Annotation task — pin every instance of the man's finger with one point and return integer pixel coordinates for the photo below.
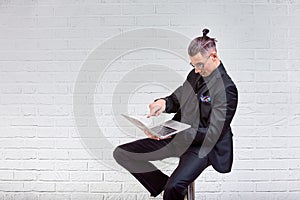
(155, 111)
(151, 136)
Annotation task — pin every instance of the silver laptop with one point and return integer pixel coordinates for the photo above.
(163, 130)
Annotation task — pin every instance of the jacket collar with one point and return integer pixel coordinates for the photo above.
(217, 73)
(214, 76)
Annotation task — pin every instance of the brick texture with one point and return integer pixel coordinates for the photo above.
(43, 45)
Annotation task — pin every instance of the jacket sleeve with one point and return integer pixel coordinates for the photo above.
(172, 101)
(223, 110)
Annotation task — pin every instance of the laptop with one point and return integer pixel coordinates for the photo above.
(163, 130)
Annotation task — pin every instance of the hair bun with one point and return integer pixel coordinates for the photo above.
(205, 32)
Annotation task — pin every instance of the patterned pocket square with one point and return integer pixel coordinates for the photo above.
(206, 99)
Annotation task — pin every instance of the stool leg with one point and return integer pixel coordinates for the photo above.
(191, 191)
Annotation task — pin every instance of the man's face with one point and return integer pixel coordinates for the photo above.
(201, 64)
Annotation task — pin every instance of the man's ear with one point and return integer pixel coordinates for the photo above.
(214, 55)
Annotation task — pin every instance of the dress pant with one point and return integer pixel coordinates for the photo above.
(135, 157)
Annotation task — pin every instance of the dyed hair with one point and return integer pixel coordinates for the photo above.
(203, 44)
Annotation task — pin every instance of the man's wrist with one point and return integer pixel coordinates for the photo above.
(165, 104)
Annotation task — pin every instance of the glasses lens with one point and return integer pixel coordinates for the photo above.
(201, 65)
(198, 65)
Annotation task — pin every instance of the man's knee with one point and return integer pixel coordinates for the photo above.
(118, 154)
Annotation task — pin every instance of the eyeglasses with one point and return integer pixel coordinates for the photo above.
(200, 64)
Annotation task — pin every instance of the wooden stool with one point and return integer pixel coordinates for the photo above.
(191, 191)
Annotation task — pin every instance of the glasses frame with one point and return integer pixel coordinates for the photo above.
(200, 64)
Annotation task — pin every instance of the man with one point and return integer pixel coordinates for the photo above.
(207, 101)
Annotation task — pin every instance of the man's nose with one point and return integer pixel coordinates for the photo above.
(197, 70)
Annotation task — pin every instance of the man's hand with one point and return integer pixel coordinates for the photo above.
(157, 107)
(151, 136)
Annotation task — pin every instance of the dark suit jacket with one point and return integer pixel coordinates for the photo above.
(217, 98)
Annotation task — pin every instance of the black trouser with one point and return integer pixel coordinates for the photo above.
(135, 157)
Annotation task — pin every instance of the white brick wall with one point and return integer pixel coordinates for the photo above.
(43, 44)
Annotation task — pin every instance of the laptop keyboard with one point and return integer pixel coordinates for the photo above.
(162, 130)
